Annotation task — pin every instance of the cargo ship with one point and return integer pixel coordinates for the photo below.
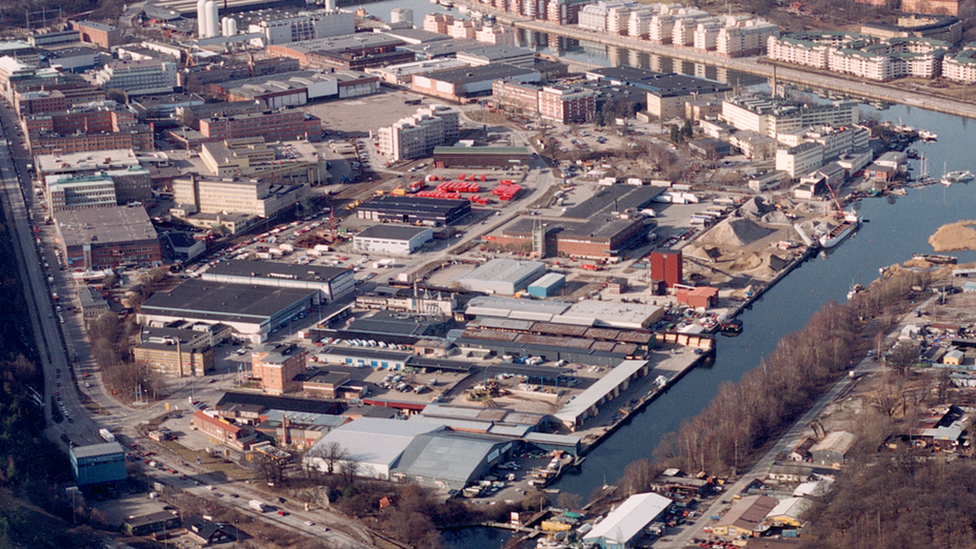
(848, 224)
(936, 258)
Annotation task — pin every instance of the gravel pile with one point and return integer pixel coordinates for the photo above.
(730, 233)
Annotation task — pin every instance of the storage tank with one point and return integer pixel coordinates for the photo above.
(223, 26)
(330, 5)
(231, 27)
(201, 18)
(213, 19)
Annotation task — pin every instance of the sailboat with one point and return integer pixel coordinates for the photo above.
(946, 180)
(923, 176)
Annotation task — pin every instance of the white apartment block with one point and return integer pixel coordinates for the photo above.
(860, 55)
(706, 34)
(961, 67)
(745, 38)
(416, 136)
(800, 160)
(597, 16)
(660, 29)
(138, 77)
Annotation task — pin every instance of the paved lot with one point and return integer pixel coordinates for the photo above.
(366, 114)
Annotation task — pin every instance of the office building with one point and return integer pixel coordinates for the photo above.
(252, 157)
(138, 77)
(561, 104)
(213, 195)
(771, 116)
(98, 464)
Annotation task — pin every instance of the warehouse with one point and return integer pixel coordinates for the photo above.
(332, 282)
(502, 276)
(431, 212)
(392, 239)
(547, 286)
(633, 316)
(587, 404)
(375, 444)
(449, 460)
(548, 348)
(623, 526)
(364, 356)
(252, 311)
(481, 157)
(98, 463)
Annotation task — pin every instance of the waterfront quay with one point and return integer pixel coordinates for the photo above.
(887, 92)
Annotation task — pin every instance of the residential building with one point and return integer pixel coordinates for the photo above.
(771, 116)
(390, 239)
(416, 137)
(277, 367)
(108, 237)
(939, 27)
(961, 66)
(138, 77)
(213, 195)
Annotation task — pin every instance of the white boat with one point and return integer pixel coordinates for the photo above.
(926, 135)
(847, 226)
(447, 3)
(464, 10)
(960, 176)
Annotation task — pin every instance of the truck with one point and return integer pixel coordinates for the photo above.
(258, 505)
(107, 435)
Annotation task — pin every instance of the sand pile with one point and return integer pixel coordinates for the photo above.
(709, 253)
(776, 218)
(731, 233)
(755, 207)
(747, 263)
(954, 237)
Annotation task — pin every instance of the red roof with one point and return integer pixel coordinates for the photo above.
(223, 425)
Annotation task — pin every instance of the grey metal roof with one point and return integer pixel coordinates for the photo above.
(206, 299)
(391, 232)
(507, 270)
(446, 455)
(95, 450)
(595, 393)
(376, 440)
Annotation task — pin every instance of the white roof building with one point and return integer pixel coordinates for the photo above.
(626, 522)
(376, 444)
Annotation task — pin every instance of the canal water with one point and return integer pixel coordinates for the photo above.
(895, 227)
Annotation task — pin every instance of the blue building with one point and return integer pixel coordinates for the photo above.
(98, 463)
(547, 285)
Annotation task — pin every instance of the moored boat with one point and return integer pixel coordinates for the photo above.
(851, 221)
(936, 258)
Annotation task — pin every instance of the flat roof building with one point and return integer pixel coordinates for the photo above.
(431, 212)
(587, 404)
(450, 460)
(481, 157)
(98, 463)
(278, 367)
(375, 444)
(502, 276)
(252, 311)
(108, 237)
(467, 82)
(332, 282)
(251, 196)
(392, 239)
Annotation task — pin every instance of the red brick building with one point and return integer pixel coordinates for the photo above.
(701, 297)
(556, 103)
(667, 266)
(289, 124)
(38, 102)
(277, 368)
(222, 431)
(935, 7)
(99, 34)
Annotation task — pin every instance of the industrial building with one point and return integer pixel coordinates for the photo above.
(100, 34)
(179, 352)
(832, 450)
(547, 285)
(351, 51)
(587, 404)
(229, 195)
(625, 316)
(431, 212)
(331, 282)
(450, 460)
(284, 30)
(481, 157)
(252, 311)
(402, 75)
(415, 300)
(502, 276)
(745, 517)
(221, 431)
(392, 239)
(600, 227)
(623, 526)
(418, 135)
(668, 93)
(561, 104)
(98, 464)
(461, 84)
(108, 237)
(375, 444)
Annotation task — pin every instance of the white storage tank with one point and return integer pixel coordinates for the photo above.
(202, 18)
(213, 19)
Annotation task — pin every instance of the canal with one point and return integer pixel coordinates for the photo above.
(895, 227)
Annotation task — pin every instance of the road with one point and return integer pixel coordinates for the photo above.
(867, 366)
